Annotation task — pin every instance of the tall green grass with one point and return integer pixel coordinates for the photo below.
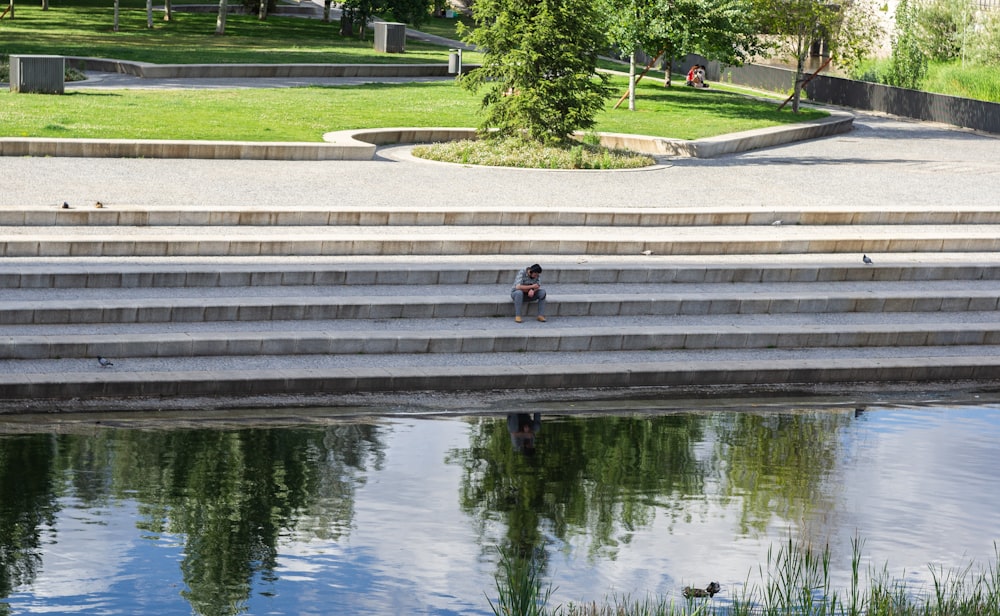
(975, 81)
(795, 581)
(519, 586)
(970, 81)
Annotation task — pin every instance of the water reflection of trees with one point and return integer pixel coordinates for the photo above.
(602, 477)
(230, 493)
(26, 505)
(779, 464)
(606, 477)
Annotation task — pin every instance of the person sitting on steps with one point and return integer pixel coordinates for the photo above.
(528, 288)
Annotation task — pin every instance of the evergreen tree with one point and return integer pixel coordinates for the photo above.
(540, 67)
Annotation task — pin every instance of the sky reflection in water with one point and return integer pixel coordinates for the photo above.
(401, 516)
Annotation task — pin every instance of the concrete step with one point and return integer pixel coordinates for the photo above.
(500, 338)
(451, 305)
(339, 374)
(109, 274)
(126, 215)
(117, 241)
(232, 302)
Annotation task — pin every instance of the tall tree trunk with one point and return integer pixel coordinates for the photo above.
(117, 12)
(326, 11)
(45, 5)
(149, 14)
(220, 21)
(800, 70)
(631, 81)
(167, 11)
(262, 11)
(10, 10)
(668, 67)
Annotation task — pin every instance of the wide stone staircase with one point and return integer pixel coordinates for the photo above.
(237, 302)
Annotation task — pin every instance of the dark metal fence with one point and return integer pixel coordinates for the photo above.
(963, 112)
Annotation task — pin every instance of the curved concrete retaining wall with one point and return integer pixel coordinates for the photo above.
(361, 144)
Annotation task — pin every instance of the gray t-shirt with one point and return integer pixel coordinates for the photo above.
(523, 278)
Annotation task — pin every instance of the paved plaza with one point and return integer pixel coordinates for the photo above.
(882, 162)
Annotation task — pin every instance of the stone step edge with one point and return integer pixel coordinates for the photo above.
(109, 215)
(116, 275)
(252, 309)
(311, 247)
(107, 383)
(512, 340)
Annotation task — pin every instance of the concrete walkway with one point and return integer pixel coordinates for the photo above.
(882, 163)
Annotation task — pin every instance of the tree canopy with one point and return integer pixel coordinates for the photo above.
(849, 30)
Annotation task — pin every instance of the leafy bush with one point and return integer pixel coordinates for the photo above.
(983, 44)
(908, 63)
(943, 26)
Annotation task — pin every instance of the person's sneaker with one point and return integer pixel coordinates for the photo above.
(541, 318)
(517, 319)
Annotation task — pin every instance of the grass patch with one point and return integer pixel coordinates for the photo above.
(522, 153)
(692, 113)
(189, 38)
(444, 27)
(304, 114)
(268, 114)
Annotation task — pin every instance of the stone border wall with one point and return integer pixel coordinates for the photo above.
(148, 70)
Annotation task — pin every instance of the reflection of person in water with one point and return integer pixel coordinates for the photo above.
(523, 428)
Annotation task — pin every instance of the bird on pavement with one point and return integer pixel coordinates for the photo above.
(105, 362)
(866, 259)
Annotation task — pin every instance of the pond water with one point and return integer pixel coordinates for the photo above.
(404, 514)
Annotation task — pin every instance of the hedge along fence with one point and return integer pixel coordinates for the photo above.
(963, 112)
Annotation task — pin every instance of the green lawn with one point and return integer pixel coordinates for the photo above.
(83, 28)
(189, 38)
(304, 114)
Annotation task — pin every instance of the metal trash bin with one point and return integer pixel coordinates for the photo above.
(40, 74)
(455, 62)
(390, 37)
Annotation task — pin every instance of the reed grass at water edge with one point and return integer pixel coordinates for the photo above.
(795, 581)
